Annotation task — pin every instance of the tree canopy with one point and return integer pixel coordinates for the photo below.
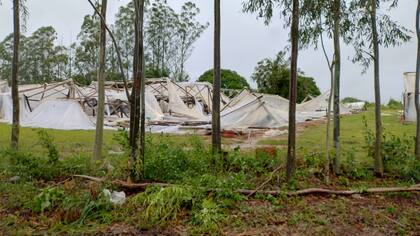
(273, 76)
(41, 59)
(169, 42)
(230, 79)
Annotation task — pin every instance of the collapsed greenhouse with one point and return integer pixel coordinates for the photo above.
(170, 107)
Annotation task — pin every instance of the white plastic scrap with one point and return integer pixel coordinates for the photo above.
(117, 198)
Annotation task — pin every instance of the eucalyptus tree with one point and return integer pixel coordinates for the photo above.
(417, 102)
(189, 31)
(331, 19)
(44, 62)
(87, 49)
(265, 9)
(216, 126)
(137, 114)
(124, 33)
(99, 134)
(160, 31)
(17, 4)
(40, 59)
(365, 22)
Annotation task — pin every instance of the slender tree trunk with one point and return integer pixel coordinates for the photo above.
(327, 137)
(135, 115)
(99, 136)
(291, 148)
(15, 70)
(216, 134)
(330, 99)
(417, 102)
(142, 88)
(337, 74)
(379, 168)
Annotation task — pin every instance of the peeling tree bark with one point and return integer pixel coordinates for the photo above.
(15, 71)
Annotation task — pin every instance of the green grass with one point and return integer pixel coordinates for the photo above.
(47, 200)
(313, 138)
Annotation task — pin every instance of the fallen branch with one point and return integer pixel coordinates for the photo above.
(248, 192)
(265, 183)
(392, 220)
(123, 184)
(319, 191)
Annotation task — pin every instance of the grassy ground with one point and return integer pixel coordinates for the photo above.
(38, 194)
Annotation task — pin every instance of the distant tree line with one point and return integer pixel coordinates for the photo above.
(169, 39)
(273, 77)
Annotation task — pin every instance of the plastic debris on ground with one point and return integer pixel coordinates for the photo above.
(117, 198)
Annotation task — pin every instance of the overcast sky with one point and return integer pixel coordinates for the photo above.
(245, 41)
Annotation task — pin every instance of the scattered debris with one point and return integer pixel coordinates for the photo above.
(14, 179)
(117, 198)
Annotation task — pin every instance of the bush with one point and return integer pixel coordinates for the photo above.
(163, 204)
(397, 153)
(350, 100)
(169, 162)
(354, 170)
(47, 142)
(207, 218)
(47, 199)
(30, 167)
(394, 104)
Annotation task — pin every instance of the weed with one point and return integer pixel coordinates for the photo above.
(47, 141)
(208, 218)
(354, 170)
(30, 167)
(47, 199)
(163, 204)
(398, 156)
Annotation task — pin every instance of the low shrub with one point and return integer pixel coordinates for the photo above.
(207, 218)
(47, 199)
(163, 204)
(397, 153)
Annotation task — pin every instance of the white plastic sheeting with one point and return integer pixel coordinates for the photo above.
(59, 114)
(410, 108)
(6, 108)
(3, 86)
(254, 110)
(409, 97)
(318, 106)
(178, 108)
(202, 91)
(355, 106)
(152, 108)
(255, 114)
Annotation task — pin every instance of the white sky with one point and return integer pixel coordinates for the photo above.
(245, 41)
